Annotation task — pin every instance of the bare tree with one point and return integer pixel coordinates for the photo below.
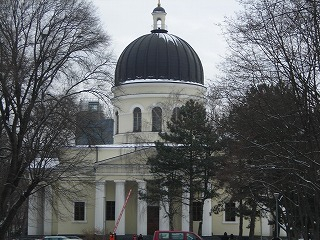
(50, 52)
(276, 43)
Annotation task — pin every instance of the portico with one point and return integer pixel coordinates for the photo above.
(137, 215)
(134, 218)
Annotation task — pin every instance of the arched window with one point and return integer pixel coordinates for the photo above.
(156, 119)
(137, 120)
(117, 122)
(175, 113)
(159, 23)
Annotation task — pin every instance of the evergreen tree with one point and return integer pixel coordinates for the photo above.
(184, 164)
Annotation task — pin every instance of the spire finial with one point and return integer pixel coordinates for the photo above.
(159, 4)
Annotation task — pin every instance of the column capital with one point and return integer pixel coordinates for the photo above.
(119, 181)
(100, 183)
(140, 181)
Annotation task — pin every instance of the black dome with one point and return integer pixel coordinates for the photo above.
(159, 55)
(159, 9)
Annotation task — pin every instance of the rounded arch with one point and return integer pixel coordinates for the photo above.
(133, 106)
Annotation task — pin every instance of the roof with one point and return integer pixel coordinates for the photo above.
(159, 9)
(159, 55)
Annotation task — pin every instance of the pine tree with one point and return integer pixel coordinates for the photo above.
(184, 164)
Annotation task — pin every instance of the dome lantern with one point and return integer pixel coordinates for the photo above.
(159, 19)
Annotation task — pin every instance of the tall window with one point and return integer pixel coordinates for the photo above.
(137, 120)
(110, 210)
(230, 212)
(117, 122)
(79, 211)
(197, 211)
(156, 119)
(175, 113)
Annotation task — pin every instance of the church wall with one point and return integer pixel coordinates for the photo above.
(146, 96)
(113, 151)
(140, 137)
(108, 174)
(219, 226)
(99, 153)
(64, 223)
(54, 224)
(131, 209)
(82, 154)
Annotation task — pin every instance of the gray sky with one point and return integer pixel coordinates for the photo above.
(195, 21)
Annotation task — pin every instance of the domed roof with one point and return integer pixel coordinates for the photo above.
(157, 56)
(159, 9)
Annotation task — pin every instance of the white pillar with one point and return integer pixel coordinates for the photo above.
(207, 218)
(185, 211)
(47, 227)
(120, 200)
(266, 228)
(142, 210)
(35, 213)
(163, 216)
(99, 216)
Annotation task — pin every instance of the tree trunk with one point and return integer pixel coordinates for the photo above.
(240, 221)
(191, 212)
(252, 221)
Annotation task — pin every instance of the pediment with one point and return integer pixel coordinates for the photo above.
(128, 164)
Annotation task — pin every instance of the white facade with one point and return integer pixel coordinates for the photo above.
(146, 95)
(120, 168)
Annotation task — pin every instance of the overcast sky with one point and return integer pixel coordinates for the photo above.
(195, 21)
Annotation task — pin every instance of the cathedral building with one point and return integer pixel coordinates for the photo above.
(155, 74)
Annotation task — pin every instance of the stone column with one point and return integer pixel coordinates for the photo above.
(141, 210)
(266, 228)
(35, 214)
(207, 218)
(163, 218)
(185, 211)
(47, 227)
(100, 211)
(120, 200)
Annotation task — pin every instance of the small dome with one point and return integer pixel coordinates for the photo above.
(159, 9)
(157, 56)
